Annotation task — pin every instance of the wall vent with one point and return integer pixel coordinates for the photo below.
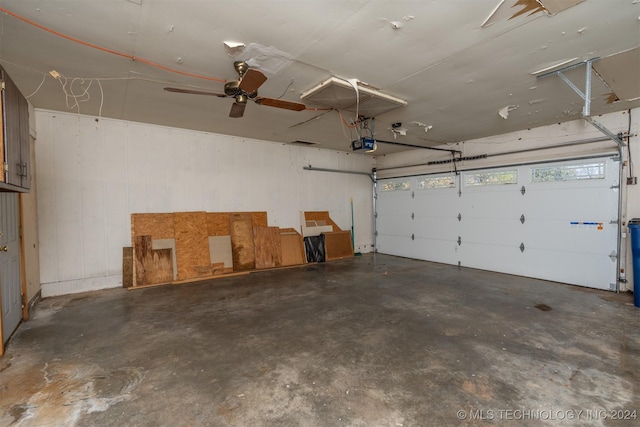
(340, 94)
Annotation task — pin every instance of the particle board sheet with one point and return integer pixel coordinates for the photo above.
(220, 250)
(322, 216)
(192, 244)
(292, 247)
(168, 244)
(156, 225)
(151, 266)
(259, 219)
(267, 247)
(218, 224)
(242, 243)
(337, 245)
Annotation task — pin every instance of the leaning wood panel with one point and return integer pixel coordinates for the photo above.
(156, 225)
(242, 245)
(127, 267)
(192, 244)
(259, 219)
(337, 245)
(151, 267)
(321, 216)
(218, 224)
(292, 247)
(268, 248)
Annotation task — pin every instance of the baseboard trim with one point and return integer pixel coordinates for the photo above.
(80, 285)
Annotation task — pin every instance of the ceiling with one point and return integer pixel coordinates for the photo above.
(466, 68)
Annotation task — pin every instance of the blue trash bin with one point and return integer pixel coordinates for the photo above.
(634, 229)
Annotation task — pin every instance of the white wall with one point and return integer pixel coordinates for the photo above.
(92, 174)
(558, 134)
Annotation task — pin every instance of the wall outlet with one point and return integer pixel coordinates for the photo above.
(632, 180)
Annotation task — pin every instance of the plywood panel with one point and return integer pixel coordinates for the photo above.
(292, 247)
(220, 250)
(267, 246)
(259, 219)
(156, 225)
(127, 267)
(337, 245)
(192, 244)
(321, 216)
(218, 224)
(151, 267)
(167, 244)
(242, 245)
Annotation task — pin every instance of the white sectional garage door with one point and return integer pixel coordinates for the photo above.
(554, 221)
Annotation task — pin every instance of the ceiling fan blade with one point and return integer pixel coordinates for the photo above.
(237, 109)
(279, 103)
(194, 92)
(252, 80)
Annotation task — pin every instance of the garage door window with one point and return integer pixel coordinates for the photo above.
(396, 186)
(568, 172)
(491, 178)
(426, 183)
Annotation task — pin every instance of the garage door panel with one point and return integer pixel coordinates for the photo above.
(483, 230)
(503, 259)
(488, 204)
(565, 237)
(571, 267)
(571, 204)
(394, 225)
(396, 245)
(562, 214)
(437, 228)
(392, 203)
(444, 251)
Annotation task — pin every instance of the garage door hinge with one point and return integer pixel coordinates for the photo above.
(522, 218)
(459, 217)
(523, 190)
(614, 221)
(613, 255)
(375, 214)
(614, 187)
(521, 247)
(413, 216)
(413, 194)
(413, 237)
(459, 240)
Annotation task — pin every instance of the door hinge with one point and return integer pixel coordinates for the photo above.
(613, 255)
(3, 87)
(521, 247)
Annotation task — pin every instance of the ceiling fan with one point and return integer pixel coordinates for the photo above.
(243, 89)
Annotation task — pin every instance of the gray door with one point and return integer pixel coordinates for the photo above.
(10, 281)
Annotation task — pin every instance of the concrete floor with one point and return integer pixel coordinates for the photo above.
(369, 341)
